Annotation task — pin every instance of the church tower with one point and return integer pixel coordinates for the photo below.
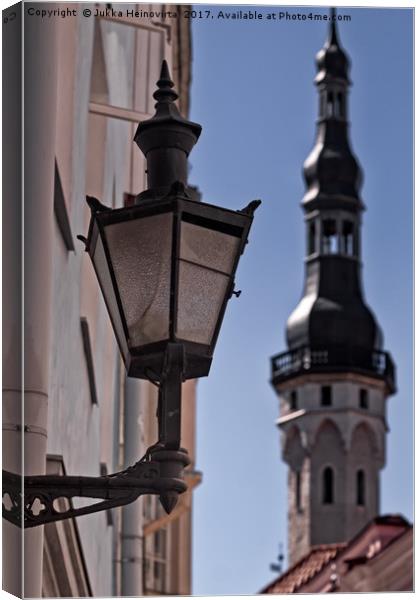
(335, 377)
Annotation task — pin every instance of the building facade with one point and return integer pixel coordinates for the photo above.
(334, 380)
(88, 82)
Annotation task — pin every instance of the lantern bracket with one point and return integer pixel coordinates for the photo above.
(46, 498)
(35, 500)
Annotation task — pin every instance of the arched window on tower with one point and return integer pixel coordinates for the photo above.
(322, 104)
(348, 238)
(329, 236)
(293, 401)
(360, 488)
(363, 399)
(340, 105)
(330, 104)
(326, 395)
(328, 486)
(311, 237)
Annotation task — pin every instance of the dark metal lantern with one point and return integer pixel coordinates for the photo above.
(166, 265)
(166, 269)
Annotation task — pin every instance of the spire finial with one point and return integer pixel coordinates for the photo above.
(332, 61)
(333, 35)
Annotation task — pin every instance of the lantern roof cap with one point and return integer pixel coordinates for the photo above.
(167, 116)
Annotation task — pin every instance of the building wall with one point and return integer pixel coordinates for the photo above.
(99, 90)
(379, 559)
(390, 571)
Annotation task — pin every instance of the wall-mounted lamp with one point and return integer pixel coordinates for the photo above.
(166, 268)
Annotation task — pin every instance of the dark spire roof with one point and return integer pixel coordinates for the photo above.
(332, 62)
(331, 170)
(332, 312)
(333, 34)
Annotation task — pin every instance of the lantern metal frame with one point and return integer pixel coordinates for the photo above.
(146, 361)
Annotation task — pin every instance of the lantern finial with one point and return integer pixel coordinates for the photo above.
(165, 93)
(166, 139)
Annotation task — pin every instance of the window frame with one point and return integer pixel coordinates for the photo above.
(125, 114)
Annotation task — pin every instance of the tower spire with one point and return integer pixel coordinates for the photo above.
(334, 378)
(332, 61)
(331, 171)
(333, 37)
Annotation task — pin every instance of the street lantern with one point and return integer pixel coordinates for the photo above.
(166, 268)
(166, 265)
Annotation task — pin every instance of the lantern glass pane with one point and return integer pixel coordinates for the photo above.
(200, 300)
(208, 248)
(140, 252)
(207, 258)
(102, 272)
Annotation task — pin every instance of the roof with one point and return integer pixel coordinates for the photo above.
(372, 540)
(304, 570)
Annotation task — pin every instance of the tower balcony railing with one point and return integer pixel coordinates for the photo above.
(305, 359)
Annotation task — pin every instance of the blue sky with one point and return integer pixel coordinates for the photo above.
(253, 93)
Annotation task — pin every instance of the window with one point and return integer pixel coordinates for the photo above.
(160, 543)
(298, 494)
(133, 53)
(146, 568)
(363, 399)
(339, 105)
(322, 102)
(326, 395)
(311, 237)
(159, 576)
(329, 237)
(87, 347)
(61, 212)
(328, 486)
(360, 487)
(348, 238)
(330, 104)
(293, 400)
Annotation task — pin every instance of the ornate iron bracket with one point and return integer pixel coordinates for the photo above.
(35, 500)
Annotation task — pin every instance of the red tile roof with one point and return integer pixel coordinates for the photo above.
(304, 570)
(373, 539)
